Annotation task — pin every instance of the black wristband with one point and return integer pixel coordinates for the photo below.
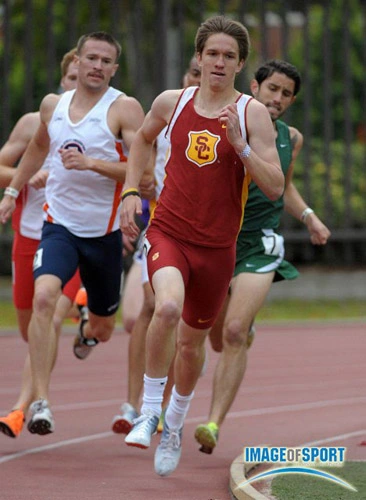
(130, 193)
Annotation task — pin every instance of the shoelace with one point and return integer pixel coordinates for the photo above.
(172, 442)
(145, 421)
(38, 406)
(130, 415)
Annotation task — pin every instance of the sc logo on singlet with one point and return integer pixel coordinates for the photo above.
(73, 144)
(202, 147)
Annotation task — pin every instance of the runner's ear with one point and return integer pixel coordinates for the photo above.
(254, 87)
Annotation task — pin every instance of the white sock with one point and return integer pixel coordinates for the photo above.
(153, 395)
(177, 410)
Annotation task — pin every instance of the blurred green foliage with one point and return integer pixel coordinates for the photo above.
(339, 58)
(328, 182)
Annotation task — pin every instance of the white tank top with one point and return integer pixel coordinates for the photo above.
(84, 202)
(31, 215)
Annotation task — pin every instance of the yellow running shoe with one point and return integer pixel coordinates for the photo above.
(207, 435)
(161, 422)
(12, 424)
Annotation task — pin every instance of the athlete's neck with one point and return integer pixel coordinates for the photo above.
(82, 102)
(209, 103)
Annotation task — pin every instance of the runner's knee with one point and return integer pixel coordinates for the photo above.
(103, 329)
(190, 352)
(168, 312)
(44, 301)
(234, 335)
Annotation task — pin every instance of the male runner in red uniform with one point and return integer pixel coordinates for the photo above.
(220, 140)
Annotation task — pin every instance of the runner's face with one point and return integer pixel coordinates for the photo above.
(276, 93)
(68, 82)
(193, 75)
(219, 60)
(97, 64)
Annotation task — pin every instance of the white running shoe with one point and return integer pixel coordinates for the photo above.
(41, 421)
(205, 364)
(167, 454)
(250, 337)
(144, 428)
(123, 423)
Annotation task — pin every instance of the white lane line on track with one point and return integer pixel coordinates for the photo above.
(92, 437)
(340, 437)
(244, 391)
(53, 446)
(82, 406)
(192, 420)
(235, 414)
(297, 407)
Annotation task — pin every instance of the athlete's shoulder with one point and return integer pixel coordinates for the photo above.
(51, 99)
(165, 103)
(258, 118)
(125, 100)
(48, 106)
(254, 106)
(29, 120)
(26, 125)
(296, 137)
(126, 108)
(168, 97)
(293, 131)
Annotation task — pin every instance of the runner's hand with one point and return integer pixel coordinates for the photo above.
(131, 206)
(7, 207)
(319, 233)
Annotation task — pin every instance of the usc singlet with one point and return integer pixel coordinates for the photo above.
(85, 202)
(205, 186)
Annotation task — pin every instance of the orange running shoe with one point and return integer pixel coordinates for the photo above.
(81, 298)
(81, 301)
(12, 424)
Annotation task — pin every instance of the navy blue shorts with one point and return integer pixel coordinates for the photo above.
(99, 260)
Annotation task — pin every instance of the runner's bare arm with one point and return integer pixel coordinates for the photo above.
(15, 146)
(140, 155)
(294, 203)
(33, 158)
(263, 163)
(125, 117)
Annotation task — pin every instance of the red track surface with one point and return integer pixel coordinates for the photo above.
(304, 384)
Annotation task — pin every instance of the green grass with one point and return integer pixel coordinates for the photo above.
(7, 314)
(286, 310)
(301, 487)
(314, 310)
(283, 310)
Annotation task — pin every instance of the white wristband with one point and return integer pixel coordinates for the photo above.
(10, 191)
(246, 152)
(305, 213)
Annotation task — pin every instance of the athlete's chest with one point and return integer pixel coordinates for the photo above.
(201, 141)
